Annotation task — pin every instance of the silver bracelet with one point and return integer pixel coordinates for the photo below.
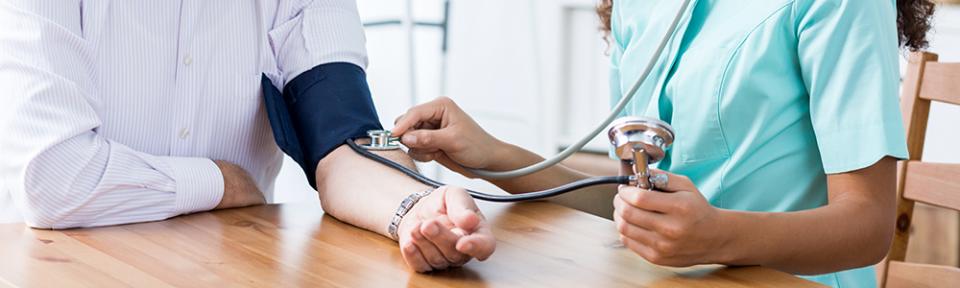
(404, 208)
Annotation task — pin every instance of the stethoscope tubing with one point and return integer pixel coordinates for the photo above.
(569, 187)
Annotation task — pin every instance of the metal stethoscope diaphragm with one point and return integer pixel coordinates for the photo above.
(640, 142)
(381, 140)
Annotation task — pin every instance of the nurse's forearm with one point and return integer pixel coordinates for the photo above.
(512, 157)
(811, 242)
(854, 230)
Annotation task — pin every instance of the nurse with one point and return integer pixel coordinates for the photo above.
(787, 132)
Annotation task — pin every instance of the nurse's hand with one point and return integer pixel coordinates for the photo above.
(445, 229)
(439, 130)
(675, 227)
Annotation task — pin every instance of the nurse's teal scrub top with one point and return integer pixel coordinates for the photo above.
(767, 97)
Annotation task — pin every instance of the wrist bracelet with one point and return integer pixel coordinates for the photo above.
(404, 208)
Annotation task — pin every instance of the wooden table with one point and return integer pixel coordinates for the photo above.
(541, 244)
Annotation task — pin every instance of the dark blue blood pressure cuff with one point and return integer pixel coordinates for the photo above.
(318, 111)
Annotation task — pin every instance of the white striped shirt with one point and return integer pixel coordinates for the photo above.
(111, 112)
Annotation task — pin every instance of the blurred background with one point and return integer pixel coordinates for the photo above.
(534, 73)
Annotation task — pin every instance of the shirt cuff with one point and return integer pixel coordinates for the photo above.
(199, 184)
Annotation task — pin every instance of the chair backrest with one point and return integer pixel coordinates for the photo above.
(936, 184)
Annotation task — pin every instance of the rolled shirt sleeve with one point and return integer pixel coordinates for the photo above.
(848, 52)
(320, 32)
(58, 171)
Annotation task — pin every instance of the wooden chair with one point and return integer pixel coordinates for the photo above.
(936, 184)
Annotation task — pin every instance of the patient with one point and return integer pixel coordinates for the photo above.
(124, 112)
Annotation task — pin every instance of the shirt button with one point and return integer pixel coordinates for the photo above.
(187, 60)
(184, 133)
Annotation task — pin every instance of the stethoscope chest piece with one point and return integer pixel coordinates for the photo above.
(381, 140)
(640, 141)
(631, 133)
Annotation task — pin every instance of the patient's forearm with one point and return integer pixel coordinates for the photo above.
(362, 192)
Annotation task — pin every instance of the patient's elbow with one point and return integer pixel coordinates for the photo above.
(40, 218)
(47, 209)
(44, 215)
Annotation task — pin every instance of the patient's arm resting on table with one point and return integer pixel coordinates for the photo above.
(347, 181)
(331, 103)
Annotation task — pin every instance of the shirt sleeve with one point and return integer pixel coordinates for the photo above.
(59, 171)
(315, 33)
(848, 52)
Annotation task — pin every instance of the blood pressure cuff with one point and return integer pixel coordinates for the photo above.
(319, 110)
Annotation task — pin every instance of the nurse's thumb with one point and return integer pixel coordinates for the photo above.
(427, 139)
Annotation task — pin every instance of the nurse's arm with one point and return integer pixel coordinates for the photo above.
(854, 229)
(441, 131)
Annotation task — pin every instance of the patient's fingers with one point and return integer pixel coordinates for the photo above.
(462, 209)
(429, 251)
(413, 256)
(480, 244)
(445, 240)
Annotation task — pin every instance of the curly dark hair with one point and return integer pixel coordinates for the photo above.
(913, 21)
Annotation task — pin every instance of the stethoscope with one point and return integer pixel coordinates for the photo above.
(637, 142)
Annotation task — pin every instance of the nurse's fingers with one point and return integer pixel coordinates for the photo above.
(637, 217)
(416, 126)
(675, 182)
(421, 155)
(649, 253)
(427, 112)
(442, 139)
(647, 199)
(628, 231)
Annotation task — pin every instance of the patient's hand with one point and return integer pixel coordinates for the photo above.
(445, 229)
(239, 190)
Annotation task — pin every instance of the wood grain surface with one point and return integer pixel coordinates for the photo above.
(295, 245)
